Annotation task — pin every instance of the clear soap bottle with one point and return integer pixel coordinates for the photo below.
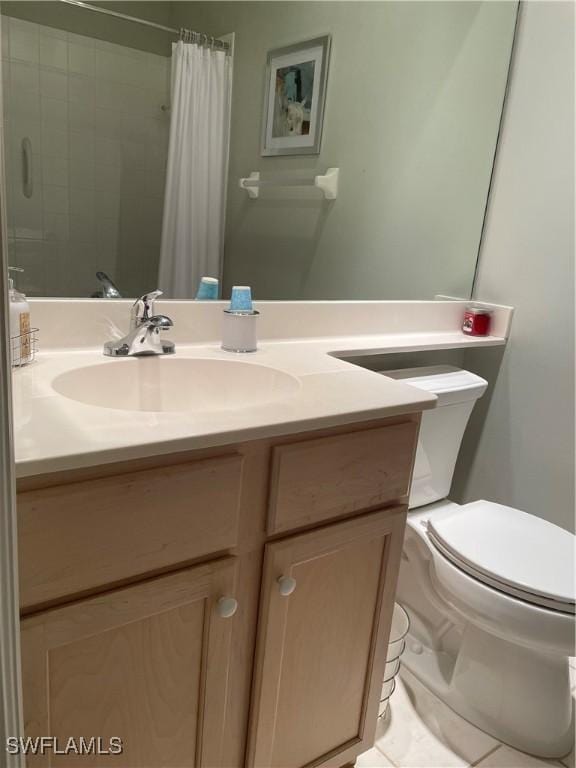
(20, 335)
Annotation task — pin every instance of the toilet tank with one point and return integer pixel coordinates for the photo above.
(442, 428)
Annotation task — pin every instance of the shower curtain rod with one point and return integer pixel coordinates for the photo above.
(185, 34)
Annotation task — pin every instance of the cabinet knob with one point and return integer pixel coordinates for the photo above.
(226, 607)
(286, 585)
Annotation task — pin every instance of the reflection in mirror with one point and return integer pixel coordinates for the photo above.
(365, 134)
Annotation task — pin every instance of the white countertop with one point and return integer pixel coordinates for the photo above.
(55, 433)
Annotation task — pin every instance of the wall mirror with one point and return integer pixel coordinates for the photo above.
(312, 150)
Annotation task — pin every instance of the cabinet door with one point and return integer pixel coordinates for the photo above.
(322, 647)
(148, 664)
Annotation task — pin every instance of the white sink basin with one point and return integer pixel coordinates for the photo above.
(168, 384)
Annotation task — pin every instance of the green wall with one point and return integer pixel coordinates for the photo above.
(414, 101)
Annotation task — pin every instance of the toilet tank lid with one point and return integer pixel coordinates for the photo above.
(450, 384)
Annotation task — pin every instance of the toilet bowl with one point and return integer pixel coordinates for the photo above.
(489, 590)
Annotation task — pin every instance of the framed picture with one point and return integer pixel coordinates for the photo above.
(296, 79)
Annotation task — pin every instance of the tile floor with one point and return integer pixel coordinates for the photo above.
(420, 731)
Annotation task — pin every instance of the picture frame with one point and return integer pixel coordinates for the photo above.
(295, 97)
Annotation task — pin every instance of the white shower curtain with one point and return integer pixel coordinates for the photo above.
(193, 224)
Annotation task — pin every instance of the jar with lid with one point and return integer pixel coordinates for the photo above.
(477, 321)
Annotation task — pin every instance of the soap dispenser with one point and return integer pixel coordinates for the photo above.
(21, 347)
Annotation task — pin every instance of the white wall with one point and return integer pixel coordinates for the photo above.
(524, 442)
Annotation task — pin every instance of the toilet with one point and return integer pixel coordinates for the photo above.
(489, 590)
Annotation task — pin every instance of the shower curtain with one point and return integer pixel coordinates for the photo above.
(193, 223)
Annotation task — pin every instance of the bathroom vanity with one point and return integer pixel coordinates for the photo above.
(217, 599)
(210, 577)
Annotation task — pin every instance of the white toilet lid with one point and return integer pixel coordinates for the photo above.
(517, 553)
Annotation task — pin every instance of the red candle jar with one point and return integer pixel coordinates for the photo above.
(477, 321)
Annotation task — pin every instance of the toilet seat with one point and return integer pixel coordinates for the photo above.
(511, 551)
(504, 663)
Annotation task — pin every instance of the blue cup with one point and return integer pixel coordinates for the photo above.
(241, 299)
(208, 289)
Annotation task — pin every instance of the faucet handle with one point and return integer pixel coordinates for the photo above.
(162, 322)
(143, 308)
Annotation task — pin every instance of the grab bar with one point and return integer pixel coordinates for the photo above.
(27, 175)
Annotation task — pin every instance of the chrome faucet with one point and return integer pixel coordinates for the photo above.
(108, 290)
(143, 309)
(144, 335)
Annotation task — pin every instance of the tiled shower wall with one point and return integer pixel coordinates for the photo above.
(93, 113)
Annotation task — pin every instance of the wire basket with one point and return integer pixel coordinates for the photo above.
(396, 646)
(23, 348)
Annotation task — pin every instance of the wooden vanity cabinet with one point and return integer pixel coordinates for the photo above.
(133, 640)
(327, 600)
(107, 530)
(148, 664)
